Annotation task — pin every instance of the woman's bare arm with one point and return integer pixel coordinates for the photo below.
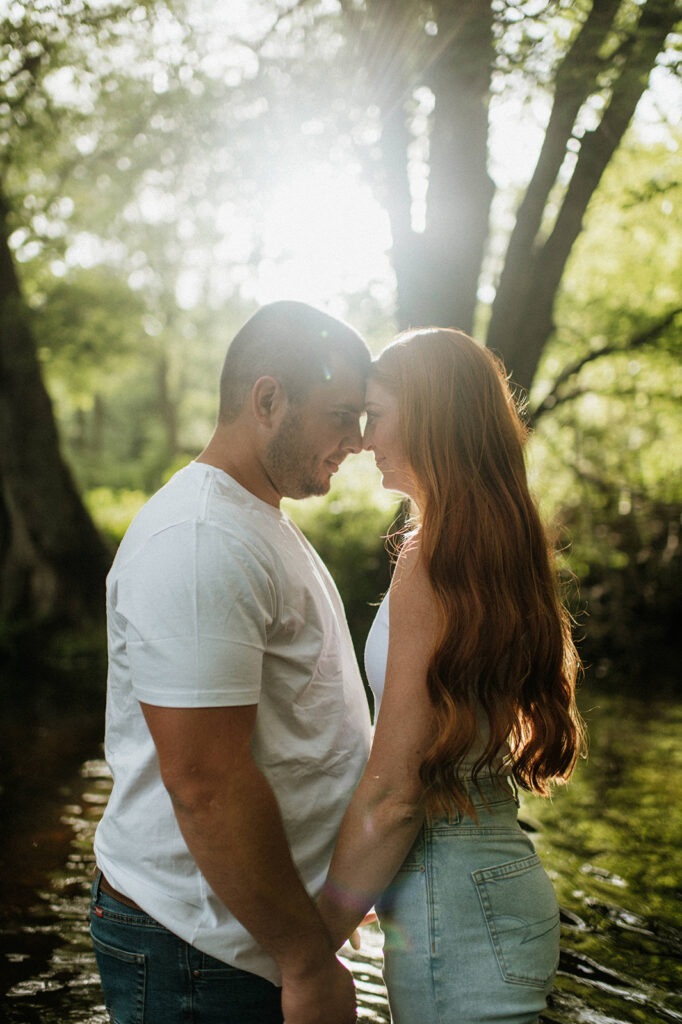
(386, 811)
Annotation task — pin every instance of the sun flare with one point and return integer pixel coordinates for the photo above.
(323, 234)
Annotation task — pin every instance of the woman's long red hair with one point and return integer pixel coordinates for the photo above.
(505, 652)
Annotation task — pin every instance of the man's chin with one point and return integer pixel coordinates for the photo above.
(310, 489)
(319, 488)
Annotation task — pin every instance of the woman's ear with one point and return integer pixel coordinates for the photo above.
(268, 400)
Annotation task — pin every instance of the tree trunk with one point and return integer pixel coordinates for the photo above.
(52, 561)
(575, 81)
(521, 321)
(407, 250)
(436, 270)
(460, 191)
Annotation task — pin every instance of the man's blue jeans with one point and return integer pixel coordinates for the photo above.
(150, 976)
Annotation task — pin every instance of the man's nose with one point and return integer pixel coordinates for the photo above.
(353, 441)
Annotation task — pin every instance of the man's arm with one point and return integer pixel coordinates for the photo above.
(231, 823)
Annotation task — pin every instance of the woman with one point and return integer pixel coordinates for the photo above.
(472, 650)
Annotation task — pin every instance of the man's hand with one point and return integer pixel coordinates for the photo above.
(229, 817)
(325, 996)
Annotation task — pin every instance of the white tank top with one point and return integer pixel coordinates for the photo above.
(376, 656)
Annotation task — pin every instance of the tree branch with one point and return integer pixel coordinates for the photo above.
(575, 81)
(578, 392)
(282, 16)
(645, 337)
(529, 282)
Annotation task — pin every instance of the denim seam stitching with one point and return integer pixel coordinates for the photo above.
(430, 895)
(508, 869)
(116, 951)
(138, 922)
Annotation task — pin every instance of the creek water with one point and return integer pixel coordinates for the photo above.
(611, 842)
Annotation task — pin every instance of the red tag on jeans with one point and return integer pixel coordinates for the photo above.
(98, 912)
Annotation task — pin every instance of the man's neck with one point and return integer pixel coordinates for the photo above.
(230, 451)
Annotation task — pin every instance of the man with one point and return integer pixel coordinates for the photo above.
(237, 726)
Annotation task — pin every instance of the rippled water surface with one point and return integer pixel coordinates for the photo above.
(611, 842)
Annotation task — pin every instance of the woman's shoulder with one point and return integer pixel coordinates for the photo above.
(411, 590)
(410, 558)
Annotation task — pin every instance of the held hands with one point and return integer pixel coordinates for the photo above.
(356, 939)
(325, 996)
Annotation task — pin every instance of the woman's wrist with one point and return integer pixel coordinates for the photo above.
(341, 910)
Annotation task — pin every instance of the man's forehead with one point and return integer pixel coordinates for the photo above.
(343, 386)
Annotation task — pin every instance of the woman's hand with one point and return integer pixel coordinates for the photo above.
(356, 939)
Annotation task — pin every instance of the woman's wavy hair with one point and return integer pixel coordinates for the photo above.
(505, 649)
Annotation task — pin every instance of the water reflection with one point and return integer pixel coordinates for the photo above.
(610, 842)
(49, 970)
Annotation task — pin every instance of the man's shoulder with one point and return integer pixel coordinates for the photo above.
(188, 516)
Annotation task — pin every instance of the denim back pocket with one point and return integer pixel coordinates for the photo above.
(124, 979)
(522, 915)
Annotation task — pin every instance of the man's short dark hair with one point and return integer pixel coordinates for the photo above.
(293, 342)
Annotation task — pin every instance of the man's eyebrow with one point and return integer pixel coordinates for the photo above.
(348, 407)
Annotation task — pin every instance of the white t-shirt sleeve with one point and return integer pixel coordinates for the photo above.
(197, 603)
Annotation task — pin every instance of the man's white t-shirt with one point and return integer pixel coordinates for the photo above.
(216, 599)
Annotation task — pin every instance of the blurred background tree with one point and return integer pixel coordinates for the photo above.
(508, 168)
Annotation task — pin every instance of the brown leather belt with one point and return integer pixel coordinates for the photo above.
(116, 895)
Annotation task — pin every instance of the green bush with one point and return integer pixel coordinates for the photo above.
(630, 594)
(348, 528)
(113, 509)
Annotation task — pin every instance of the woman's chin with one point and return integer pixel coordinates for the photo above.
(395, 486)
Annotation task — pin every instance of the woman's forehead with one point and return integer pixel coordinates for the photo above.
(378, 394)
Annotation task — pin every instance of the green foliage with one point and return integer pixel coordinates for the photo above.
(88, 329)
(132, 394)
(633, 598)
(625, 267)
(347, 528)
(618, 519)
(114, 510)
(606, 452)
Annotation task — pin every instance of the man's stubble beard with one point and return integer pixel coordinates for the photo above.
(290, 465)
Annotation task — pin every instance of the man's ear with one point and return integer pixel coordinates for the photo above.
(268, 400)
